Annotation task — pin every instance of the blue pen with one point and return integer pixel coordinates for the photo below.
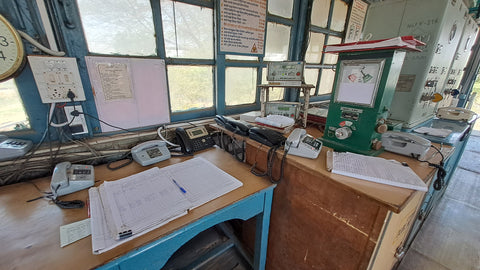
(181, 189)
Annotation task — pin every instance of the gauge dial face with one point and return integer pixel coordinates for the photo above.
(11, 50)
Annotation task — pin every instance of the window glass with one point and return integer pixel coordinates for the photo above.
(190, 87)
(275, 93)
(311, 76)
(331, 58)
(12, 113)
(126, 29)
(240, 85)
(315, 48)
(320, 11)
(188, 30)
(241, 57)
(326, 82)
(277, 44)
(339, 16)
(281, 8)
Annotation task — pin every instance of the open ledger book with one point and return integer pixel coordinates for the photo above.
(124, 209)
(376, 169)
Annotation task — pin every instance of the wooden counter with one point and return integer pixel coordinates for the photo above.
(322, 220)
(30, 231)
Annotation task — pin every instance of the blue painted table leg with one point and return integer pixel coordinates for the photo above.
(261, 233)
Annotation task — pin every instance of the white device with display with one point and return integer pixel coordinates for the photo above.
(299, 143)
(289, 109)
(286, 73)
(150, 152)
(13, 148)
(68, 178)
(406, 144)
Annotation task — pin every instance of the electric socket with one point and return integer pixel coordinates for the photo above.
(78, 126)
(55, 77)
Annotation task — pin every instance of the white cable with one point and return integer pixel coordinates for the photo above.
(38, 45)
(159, 132)
(52, 108)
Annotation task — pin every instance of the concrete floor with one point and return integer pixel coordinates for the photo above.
(450, 237)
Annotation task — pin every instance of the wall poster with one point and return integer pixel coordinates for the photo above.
(242, 26)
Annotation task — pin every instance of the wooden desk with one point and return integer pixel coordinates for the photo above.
(322, 220)
(30, 231)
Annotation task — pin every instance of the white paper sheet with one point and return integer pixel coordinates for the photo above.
(377, 170)
(74, 231)
(150, 199)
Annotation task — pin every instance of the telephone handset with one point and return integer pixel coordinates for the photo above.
(68, 178)
(267, 136)
(235, 126)
(456, 113)
(150, 152)
(193, 139)
(299, 143)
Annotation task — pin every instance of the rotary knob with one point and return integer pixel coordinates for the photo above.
(343, 133)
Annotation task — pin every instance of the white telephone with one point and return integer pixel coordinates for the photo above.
(68, 178)
(13, 148)
(456, 113)
(406, 144)
(299, 143)
(150, 152)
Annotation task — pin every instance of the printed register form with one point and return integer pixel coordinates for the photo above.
(126, 208)
(377, 170)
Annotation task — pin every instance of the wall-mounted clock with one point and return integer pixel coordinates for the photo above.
(12, 54)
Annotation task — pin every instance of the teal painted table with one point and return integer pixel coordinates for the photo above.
(30, 231)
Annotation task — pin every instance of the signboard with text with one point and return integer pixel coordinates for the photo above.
(242, 26)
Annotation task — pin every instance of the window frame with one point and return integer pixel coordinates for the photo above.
(68, 31)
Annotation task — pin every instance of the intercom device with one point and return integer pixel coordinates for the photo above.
(406, 144)
(456, 113)
(287, 73)
(68, 178)
(362, 94)
(150, 152)
(193, 139)
(299, 143)
(236, 126)
(267, 136)
(13, 148)
(289, 109)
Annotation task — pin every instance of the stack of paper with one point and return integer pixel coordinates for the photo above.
(126, 208)
(377, 170)
(437, 132)
(405, 42)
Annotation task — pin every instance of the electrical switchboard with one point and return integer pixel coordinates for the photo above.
(464, 50)
(438, 23)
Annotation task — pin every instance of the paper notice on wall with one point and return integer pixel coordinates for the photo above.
(115, 79)
(242, 26)
(355, 21)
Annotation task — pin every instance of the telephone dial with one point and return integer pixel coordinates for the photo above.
(193, 139)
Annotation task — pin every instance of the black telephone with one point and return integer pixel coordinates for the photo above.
(193, 139)
(267, 136)
(235, 126)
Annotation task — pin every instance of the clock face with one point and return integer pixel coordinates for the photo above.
(11, 50)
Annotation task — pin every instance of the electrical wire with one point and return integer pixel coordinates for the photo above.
(159, 132)
(38, 45)
(439, 182)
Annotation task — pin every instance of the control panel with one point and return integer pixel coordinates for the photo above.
(286, 72)
(438, 23)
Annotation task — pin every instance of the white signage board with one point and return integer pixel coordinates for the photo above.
(242, 26)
